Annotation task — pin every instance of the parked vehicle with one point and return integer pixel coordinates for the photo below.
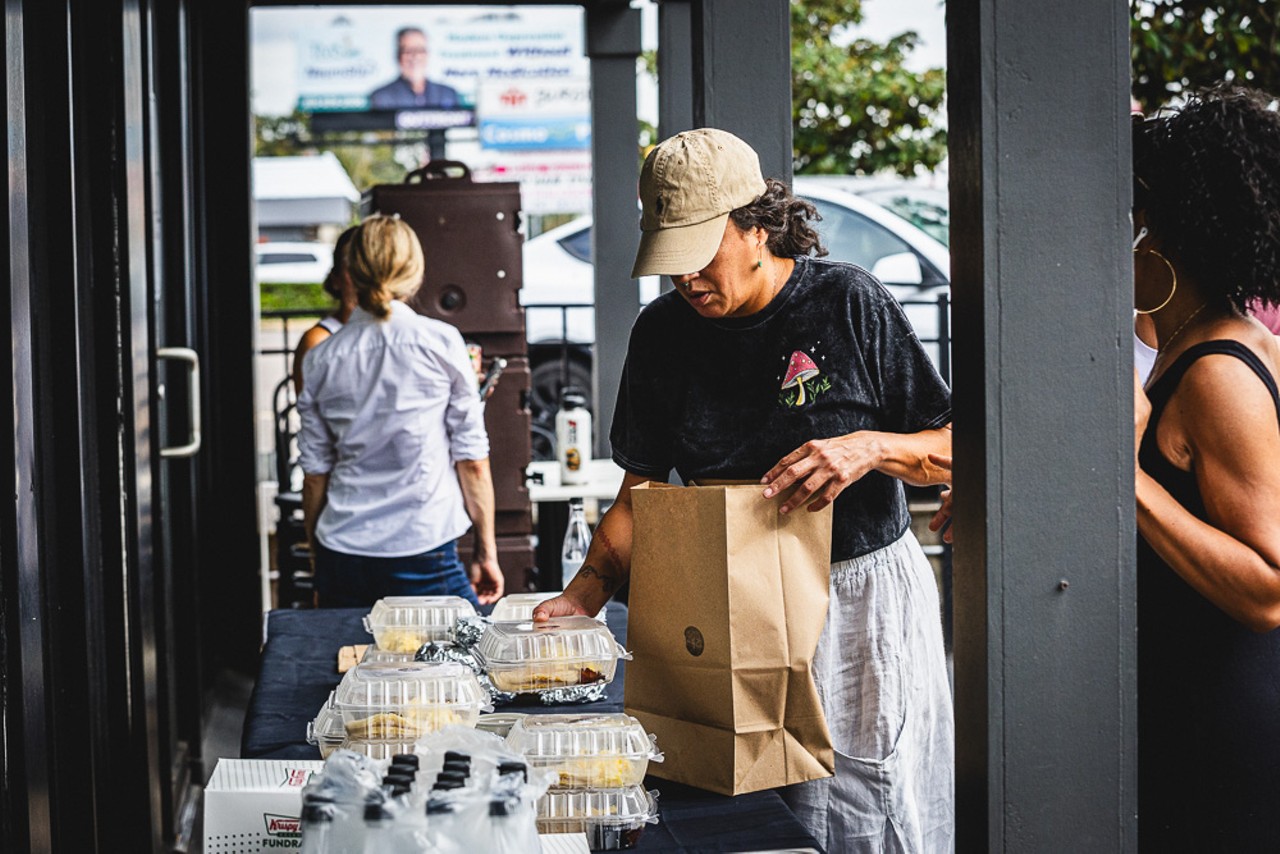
(558, 292)
(294, 263)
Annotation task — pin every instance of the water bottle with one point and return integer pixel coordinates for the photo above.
(573, 437)
(317, 828)
(577, 537)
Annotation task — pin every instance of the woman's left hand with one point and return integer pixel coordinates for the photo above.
(487, 580)
(821, 469)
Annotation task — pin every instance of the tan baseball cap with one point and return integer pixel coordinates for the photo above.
(688, 185)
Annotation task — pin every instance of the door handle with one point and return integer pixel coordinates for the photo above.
(184, 354)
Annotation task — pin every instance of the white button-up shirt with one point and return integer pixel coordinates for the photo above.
(387, 408)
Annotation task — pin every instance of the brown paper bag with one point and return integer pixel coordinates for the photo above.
(728, 598)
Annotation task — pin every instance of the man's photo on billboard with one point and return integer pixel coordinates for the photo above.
(412, 89)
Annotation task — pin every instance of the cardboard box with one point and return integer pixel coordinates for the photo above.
(255, 805)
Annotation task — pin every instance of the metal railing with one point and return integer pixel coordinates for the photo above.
(942, 303)
(285, 315)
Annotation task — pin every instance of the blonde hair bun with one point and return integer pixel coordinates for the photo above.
(384, 262)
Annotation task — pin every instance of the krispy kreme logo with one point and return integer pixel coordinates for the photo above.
(283, 826)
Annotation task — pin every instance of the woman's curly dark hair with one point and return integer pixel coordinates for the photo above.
(785, 218)
(1208, 177)
(332, 284)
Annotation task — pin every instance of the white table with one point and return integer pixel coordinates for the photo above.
(604, 479)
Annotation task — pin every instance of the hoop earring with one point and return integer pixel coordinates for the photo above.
(1172, 290)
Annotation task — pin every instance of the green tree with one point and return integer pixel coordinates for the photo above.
(855, 107)
(369, 157)
(1178, 45)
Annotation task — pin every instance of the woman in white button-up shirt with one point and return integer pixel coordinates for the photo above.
(393, 443)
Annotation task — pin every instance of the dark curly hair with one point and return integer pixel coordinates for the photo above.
(785, 218)
(332, 286)
(1207, 175)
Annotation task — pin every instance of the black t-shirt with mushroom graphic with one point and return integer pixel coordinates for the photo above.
(831, 354)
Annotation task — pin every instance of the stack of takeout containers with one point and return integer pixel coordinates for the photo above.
(402, 624)
(383, 708)
(519, 606)
(524, 656)
(599, 761)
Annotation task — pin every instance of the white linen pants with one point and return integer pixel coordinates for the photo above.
(881, 675)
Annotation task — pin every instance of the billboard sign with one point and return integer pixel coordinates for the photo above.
(423, 68)
(534, 115)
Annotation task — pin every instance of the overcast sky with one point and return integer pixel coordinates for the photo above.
(886, 18)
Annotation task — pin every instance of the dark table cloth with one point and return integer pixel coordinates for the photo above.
(299, 669)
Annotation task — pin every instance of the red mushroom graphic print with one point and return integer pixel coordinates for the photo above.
(801, 368)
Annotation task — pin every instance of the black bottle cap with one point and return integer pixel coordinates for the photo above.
(406, 773)
(573, 398)
(514, 768)
(499, 807)
(439, 808)
(456, 768)
(410, 760)
(374, 811)
(317, 813)
(445, 785)
(454, 754)
(460, 776)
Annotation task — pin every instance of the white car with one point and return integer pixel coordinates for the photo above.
(914, 266)
(294, 263)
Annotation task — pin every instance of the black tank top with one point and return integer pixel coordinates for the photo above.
(1208, 688)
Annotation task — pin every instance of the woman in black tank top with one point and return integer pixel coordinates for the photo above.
(1207, 215)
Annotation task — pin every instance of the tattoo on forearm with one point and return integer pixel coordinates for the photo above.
(607, 579)
(608, 547)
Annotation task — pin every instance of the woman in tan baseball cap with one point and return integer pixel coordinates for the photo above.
(770, 364)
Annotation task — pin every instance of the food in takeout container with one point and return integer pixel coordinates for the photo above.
(588, 751)
(524, 656)
(328, 733)
(405, 623)
(402, 701)
(519, 606)
(612, 819)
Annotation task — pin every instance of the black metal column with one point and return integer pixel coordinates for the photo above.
(613, 44)
(675, 67)
(1045, 638)
(742, 75)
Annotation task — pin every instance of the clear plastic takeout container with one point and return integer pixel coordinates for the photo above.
(587, 751)
(525, 656)
(498, 723)
(375, 654)
(612, 819)
(405, 623)
(403, 701)
(328, 733)
(515, 607)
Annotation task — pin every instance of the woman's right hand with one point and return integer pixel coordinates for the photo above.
(564, 605)
(942, 519)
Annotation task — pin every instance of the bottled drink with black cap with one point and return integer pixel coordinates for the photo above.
(317, 827)
(577, 538)
(378, 822)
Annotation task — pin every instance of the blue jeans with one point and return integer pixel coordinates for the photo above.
(357, 581)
